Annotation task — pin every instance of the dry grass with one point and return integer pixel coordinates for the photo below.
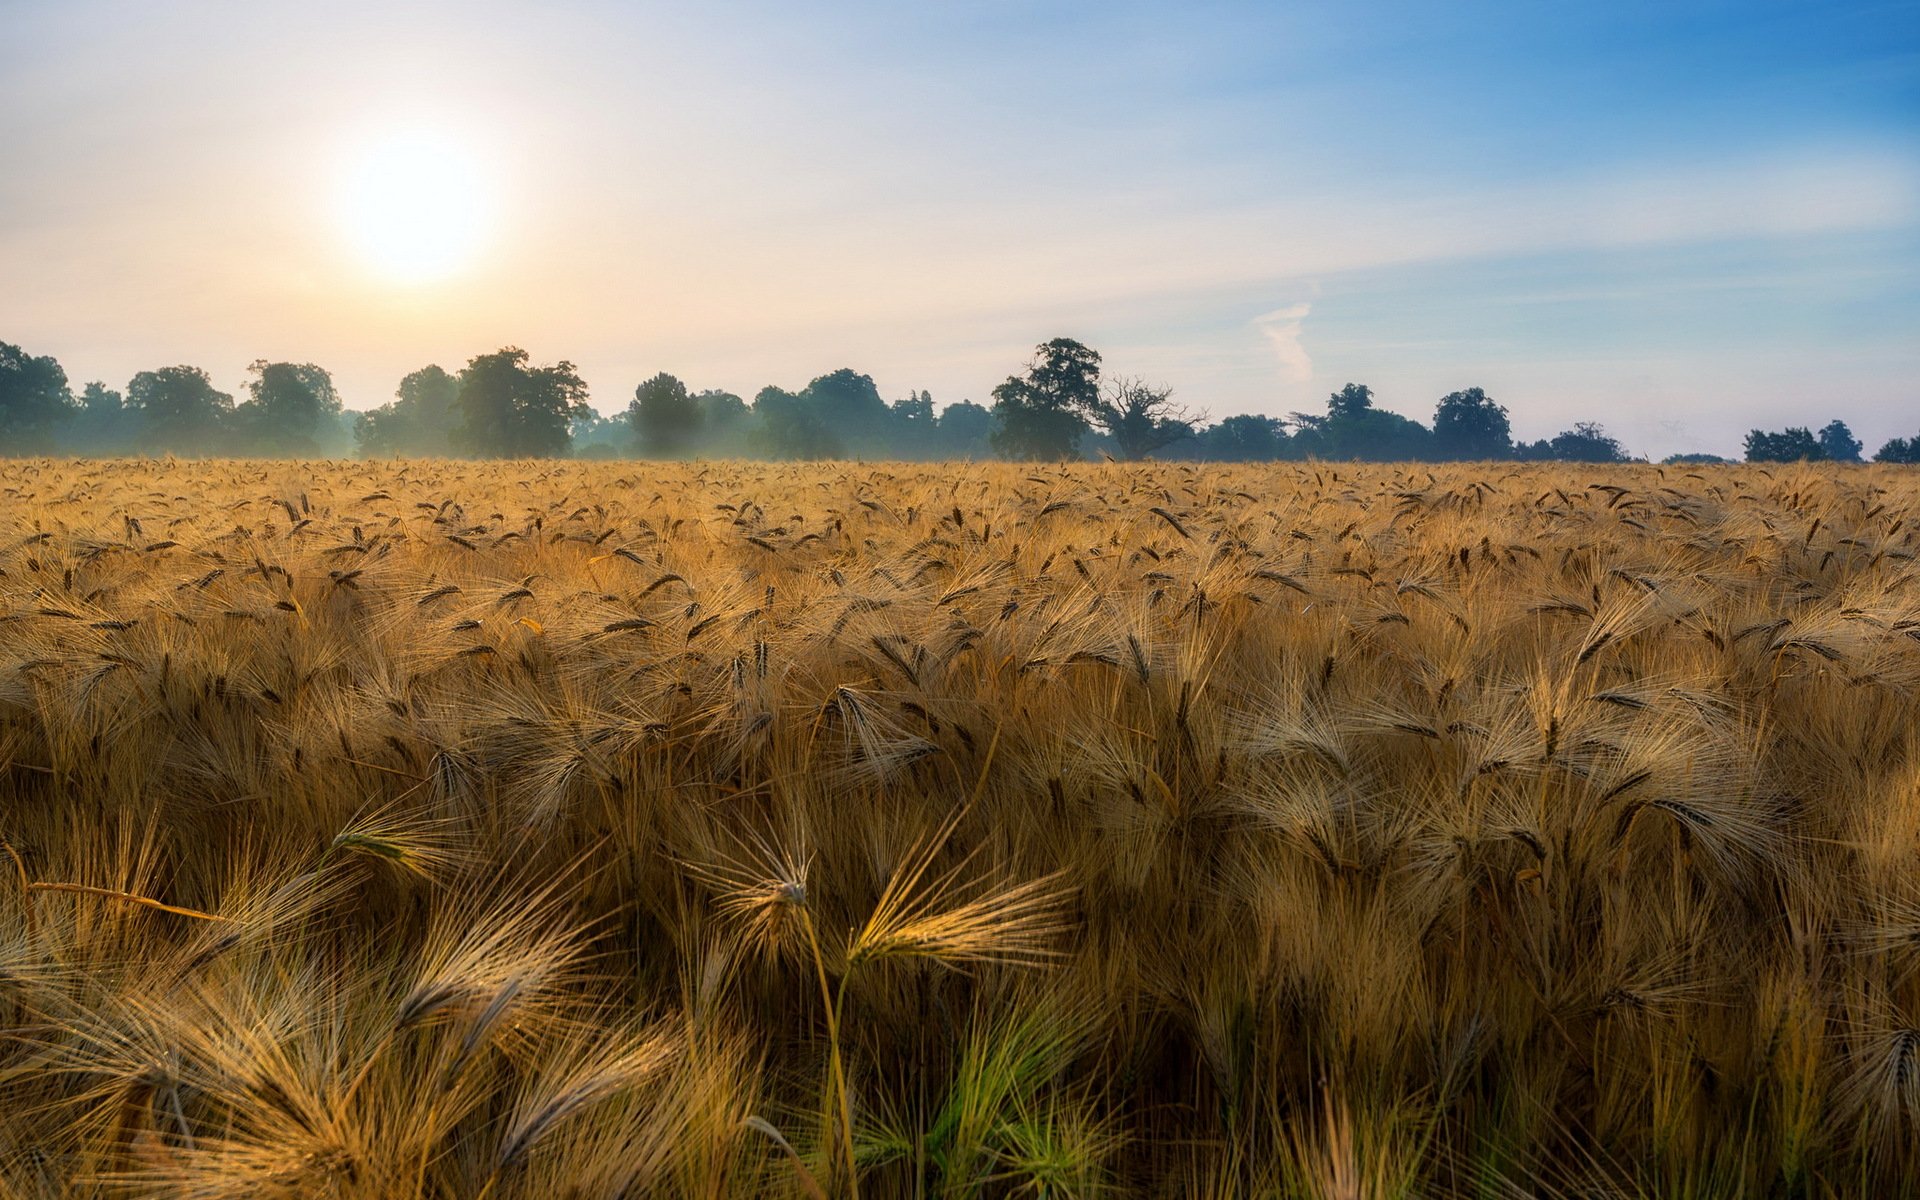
(529, 830)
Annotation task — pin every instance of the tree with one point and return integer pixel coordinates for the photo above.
(1349, 402)
(791, 427)
(102, 425)
(1586, 442)
(35, 401)
(418, 422)
(292, 406)
(595, 436)
(1041, 415)
(510, 410)
(964, 430)
(1139, 417)
(1469, 426)
(848, 403)
(1796, 443)
(915, 410)
(726, 423)
(838, 414)
(1839, 443)
(666, 420)
(1244, 438)
(1693, 459)
(97, 399)
(1900, 450)
(1354, 429)
(719, 409)
(913, 427)
(181, 409)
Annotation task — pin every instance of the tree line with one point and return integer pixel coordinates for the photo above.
(1060, 407)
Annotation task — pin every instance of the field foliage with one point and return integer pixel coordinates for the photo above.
(446, 829)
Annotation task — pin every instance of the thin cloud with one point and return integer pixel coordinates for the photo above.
(1282, 329)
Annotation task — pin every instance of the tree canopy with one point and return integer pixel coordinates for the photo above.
(1354, 429)
(1243, 438)
(508, 409)
(418, 422)
(1838, 442)
(34, 401)
(291, 408)
(666, 420)
(1042, 414)
(1468, 425)
(1059, 408)
(1796, 443)
(180, 409)
(1586, 442)
(790, 427)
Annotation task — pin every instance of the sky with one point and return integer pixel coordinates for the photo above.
(1682, 220)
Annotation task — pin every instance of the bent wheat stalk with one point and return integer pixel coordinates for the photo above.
(126, 898)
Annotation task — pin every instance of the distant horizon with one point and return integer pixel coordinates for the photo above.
(1681, 220)
(293, 410)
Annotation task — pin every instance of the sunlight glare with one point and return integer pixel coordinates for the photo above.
(415, 207)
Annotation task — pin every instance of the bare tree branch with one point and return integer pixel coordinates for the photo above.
(1140, 417)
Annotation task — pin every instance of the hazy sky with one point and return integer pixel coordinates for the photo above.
(1679, 219)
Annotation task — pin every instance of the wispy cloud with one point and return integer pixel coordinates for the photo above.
(1282, 328)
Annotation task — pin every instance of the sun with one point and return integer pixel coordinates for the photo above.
(415, 206)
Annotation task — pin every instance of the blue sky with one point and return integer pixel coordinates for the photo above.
(1678, 219)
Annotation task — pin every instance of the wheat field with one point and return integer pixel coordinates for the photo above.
(444, 829)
